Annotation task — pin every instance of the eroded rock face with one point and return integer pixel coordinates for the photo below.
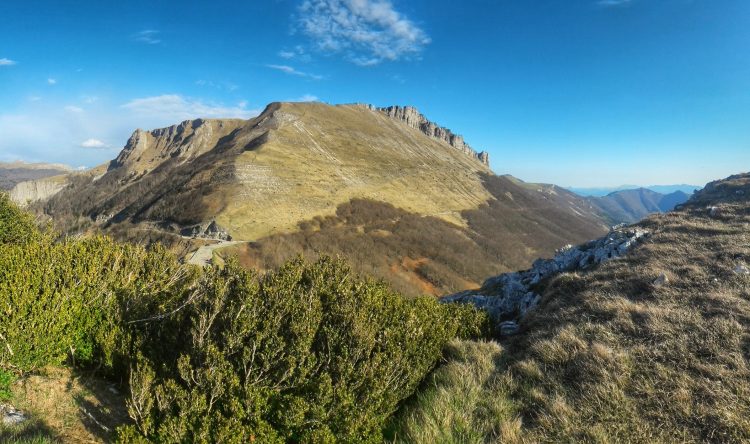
(25, 193)
(509, 296)
(412, 117)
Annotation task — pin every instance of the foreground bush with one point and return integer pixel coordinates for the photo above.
(308, 354)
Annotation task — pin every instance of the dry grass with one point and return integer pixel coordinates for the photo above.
(610, 357)
(66, 408)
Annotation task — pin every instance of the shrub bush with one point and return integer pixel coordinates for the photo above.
(305, 354)
(310, 353)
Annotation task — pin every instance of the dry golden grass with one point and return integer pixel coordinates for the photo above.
(65, 407)
(611, 357)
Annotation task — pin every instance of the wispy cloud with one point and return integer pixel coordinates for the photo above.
(292, 71)
(174, 108)
(51, 81)
(74, 109)
(613, 3)
(366, 32)
(94, 143)
(305, 98)
(148, 36)
(218, 85)
(7, 62)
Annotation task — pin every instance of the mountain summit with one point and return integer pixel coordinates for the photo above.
(310, 178)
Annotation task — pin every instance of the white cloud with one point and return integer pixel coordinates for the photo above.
(148, 36)
(287, 54)
(73, 109)
(292, 71)
(52, 81)
(613, 2)
(175, 108)
(229, 86)
(94, 143)
(7, 62)
(366, 32)
(306, 98)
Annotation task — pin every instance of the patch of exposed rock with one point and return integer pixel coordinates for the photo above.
(412, 117)
(211, 230)
(10, 416)
(25, 193)
(508, 297)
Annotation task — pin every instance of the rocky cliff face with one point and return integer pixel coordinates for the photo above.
(412, 117)
(25, 193)
(146, 150)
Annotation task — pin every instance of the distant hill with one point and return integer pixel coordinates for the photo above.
(630, 206)
(16, 172)
(663, 189)
(401, 197)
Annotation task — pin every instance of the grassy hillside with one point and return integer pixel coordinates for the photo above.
(425, 254)
(611, 355)
(265, 175)
(281, 182)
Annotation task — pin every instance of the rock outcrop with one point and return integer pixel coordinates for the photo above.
(412, 117)
(508, 297)
(211, 230)
(31, 191)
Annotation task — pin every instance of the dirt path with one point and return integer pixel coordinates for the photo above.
(203, 255)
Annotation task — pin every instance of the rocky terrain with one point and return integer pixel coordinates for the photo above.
(412, 117)
(17, 172)
(508, 297)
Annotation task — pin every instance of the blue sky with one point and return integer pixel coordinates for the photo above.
(572, 92)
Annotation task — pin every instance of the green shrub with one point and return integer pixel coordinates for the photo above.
(16, 226)
(6, 379)
(307, 354)
(310, 353)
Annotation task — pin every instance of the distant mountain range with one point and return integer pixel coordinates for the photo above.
(629, 206)
(663, 189)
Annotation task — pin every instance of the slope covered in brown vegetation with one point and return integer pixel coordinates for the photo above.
(425, 254)
(652, 347)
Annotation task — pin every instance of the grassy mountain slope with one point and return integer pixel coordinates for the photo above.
(265, 175)
(630, 206)
(426, 254)
(612, 356)
(271, 180)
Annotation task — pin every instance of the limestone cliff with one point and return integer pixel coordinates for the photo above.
(412, 117)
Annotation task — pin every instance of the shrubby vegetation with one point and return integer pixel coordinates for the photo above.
(309, 353)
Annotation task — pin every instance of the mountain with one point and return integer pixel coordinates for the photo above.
(651, 347)
(16, 172)
(663, 189)
(630, 206)
(398, 195)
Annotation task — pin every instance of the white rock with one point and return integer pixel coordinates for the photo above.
(661, 280)
(741, 269)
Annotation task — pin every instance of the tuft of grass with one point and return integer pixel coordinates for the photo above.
(453, 406)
